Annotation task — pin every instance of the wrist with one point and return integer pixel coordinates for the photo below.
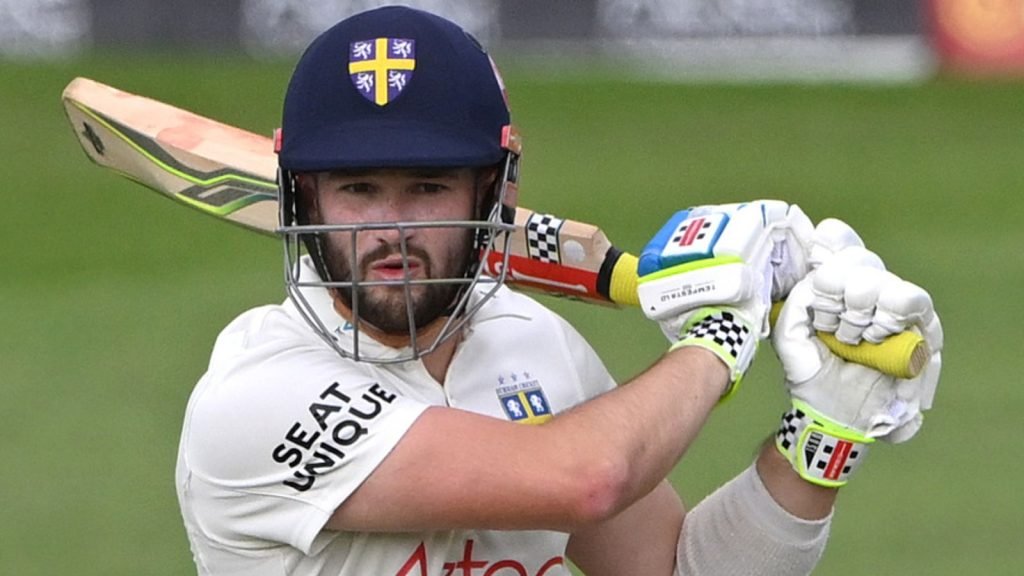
(789, 490)
(705, 365)
(725, 334)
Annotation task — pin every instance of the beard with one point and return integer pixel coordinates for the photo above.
(385, 307)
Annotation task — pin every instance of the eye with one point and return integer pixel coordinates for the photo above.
(357, 188)
(430, 187)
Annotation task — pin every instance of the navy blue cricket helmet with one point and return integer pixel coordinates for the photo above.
(393, 87)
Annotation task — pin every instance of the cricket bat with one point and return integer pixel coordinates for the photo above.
(230, 173)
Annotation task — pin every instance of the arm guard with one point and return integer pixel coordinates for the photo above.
(740, 530)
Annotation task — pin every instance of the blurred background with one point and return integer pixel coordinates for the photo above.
(903, 117)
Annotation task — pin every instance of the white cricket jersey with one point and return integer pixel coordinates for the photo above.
(281, 430)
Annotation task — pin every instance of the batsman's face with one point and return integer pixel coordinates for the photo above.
(386, 196)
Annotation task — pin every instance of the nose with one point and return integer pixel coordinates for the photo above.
(391, 209)
(391, 205)
(391, 236)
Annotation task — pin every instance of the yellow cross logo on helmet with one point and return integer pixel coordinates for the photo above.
(382, 67)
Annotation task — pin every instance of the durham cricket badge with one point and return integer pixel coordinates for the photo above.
(382, 67)
(523, 399)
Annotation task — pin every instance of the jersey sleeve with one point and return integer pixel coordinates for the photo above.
(278, 435)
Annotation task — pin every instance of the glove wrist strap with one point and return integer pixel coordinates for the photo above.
(726, 335)
(822, 451)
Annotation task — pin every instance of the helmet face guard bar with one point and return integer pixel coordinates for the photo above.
(490, 235)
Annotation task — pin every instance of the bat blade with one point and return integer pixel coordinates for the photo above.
(218, 169)
(230, 173)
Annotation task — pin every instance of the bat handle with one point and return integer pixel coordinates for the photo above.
(901, 355)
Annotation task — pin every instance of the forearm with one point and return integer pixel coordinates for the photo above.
(642, 429)
(675, 397)
(741, 528)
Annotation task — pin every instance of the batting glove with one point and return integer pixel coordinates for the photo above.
(709, 275)
(839, 408)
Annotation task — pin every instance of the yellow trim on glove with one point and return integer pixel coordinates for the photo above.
(690, 267)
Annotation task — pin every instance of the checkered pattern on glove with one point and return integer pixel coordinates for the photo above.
(725, 333)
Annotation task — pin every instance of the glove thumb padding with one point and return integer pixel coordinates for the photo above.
(793, 337)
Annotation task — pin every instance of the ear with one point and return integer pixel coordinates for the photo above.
(485, 181)
(487, 176)
(307, 198)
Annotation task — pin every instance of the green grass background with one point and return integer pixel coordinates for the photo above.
(111, 297)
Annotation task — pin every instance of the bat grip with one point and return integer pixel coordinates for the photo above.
(901, 355)
(622, 288)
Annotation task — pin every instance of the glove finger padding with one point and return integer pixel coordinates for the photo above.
(829, 238)
(900, 304)
(845, 290)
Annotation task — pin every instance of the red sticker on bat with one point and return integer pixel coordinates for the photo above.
(553, 278)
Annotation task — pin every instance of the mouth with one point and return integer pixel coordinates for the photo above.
(390, 268)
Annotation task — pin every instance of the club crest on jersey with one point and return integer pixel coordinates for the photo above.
(381, 68)
(522, 399)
